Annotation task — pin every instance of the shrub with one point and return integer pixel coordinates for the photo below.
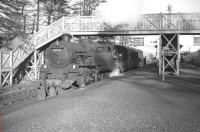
(192, 58)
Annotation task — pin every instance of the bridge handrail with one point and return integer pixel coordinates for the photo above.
(148, 22)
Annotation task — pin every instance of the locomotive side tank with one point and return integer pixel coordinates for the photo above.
(68, 63)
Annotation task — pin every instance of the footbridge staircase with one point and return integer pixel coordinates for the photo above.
(26, 59)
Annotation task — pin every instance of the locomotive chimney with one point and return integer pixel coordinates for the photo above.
(66, 37)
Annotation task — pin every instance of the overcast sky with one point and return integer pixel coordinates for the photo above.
(119, 11)
(156, 6)
(188, 6)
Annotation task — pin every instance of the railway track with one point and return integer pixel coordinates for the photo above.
(11, 95)
(19, 93)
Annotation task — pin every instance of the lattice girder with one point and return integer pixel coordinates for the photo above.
(169, 54)
(33, 69)
(170, 62)
(6, 78)
(169, 43)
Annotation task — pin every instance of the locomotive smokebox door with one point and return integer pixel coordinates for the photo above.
(66, 37)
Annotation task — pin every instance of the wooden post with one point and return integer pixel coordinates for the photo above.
(11, 68)
(178, 55)
(42, 59)
(160, 55)
(163, 66)
(35, 64)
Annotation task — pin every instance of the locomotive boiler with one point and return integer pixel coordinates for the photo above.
(68, 63)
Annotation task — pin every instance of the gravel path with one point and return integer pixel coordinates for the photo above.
(135, 102)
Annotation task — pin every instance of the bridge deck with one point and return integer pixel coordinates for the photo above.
(183, 23)
(133, 32)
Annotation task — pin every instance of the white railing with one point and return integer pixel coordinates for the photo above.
(148, 22)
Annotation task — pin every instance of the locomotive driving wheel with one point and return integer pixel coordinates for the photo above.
(42, 93)
(52, 91)
(81, 81)
(81, 77)
(59, 90)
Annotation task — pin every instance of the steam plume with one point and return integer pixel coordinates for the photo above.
(115, 72)
(121, 11)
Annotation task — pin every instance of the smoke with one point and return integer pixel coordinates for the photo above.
(121, 11)
(115, 72)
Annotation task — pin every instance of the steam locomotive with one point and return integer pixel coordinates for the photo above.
(68, 63)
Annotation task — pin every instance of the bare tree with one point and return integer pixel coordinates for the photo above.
(55, 9)
(86, 7)
(12, 16)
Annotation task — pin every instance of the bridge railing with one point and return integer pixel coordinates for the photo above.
(169, 22)
(68, 25)
(147, 22)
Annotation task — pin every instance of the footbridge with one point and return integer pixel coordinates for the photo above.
(24, 61)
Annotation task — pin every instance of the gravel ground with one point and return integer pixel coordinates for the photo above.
(138, 101)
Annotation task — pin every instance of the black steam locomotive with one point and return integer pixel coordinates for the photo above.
(68, 63)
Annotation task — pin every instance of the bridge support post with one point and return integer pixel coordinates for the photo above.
(32, 72)
(38, 61)
(35, 64)
(169, 54)
(160, 56)
(6, 68)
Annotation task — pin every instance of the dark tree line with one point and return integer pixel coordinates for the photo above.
(12, 15)
(22, 16)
